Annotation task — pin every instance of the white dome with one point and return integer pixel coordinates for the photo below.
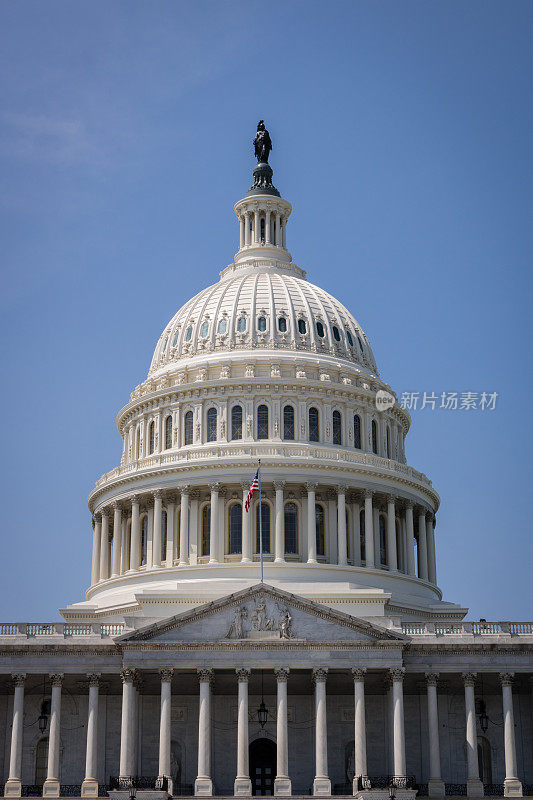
(262, 307)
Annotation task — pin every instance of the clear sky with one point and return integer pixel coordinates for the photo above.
(402, 136)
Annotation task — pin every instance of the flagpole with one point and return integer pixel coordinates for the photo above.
(260, 523)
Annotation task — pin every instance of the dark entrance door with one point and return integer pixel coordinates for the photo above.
(263, 766)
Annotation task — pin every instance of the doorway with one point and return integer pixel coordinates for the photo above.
(263, 767)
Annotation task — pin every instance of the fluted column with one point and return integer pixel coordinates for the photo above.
(267, 227)
(311, 524)
(243, 784)
(171, 513)
(474, 785)
(164, 728)
(278, 229)
(246, 540)
(436, 784)
(410, 534)
(13, 787)
(156, 535)
(117, 539)
(398, 728)
(89, 787)
(97, 533)
(391, 533)
(241, 231)
(422, 546)
(430, 541)
(213, 526)
(184, 527)
(257, 227)
(512, 786)
(284, 232)
(135, 543)
(203, 785)
(342, 541)
(279, 541)
(282, 783)
(247, 227)
(127, 726)
(104, 546)
(51, 786)
(356, 516)
(360, 768)
(321, 783)
(369, 530)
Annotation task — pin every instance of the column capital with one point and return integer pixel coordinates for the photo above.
(194, 494)
(358, 673)
(158, 494)
(282, 674)
(506, 678)
(18, 678)
(319, 675)
(311, 487)
(215, 487)
(422, 511)
(97, 517)
(397, 674)
(243, 674)
(128, 675)
(392, 498)
(166, 674)
(408, 504)
(185, 489)
(432, 678)
(279, 485)
(342, 488)
(135, 498)
(469, 678)
(94, 678)
(56, 679)
(116, 506)
(105, 512)
(368, 494)
(206, 676)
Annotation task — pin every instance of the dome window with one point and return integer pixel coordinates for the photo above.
(360, 342)
(282, 325)
(241, 324)
(320, 330)
(261, 324)
(313, 425)
(175, 339)
(302, 327)
(337, 427)
(262, 422)
(336, 334)
(188, 334)
(288, 423)
(204, 330)
(212, 425)
(236, 422)
(350, 338)
(223, 326)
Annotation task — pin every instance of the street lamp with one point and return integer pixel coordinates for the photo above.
(262, 711)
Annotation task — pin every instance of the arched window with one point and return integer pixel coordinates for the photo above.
(282, 324)
(151, 437)
(388, 442)
(314, 434)
(222, 326)
(374, 437)
(144, 539)
(241, 324)
(236, 422)
(262, 422)
(175, 339)
(262, 324)
(204, 329)
(41, 761)
(188, 428)
(349, 337)
(337, 428)
(382, 540)
(302, 327)
(163, 536)
(206, 530)
(168, 432)
(288, 422)
(212, 425)
(357, 431)
(265, 522)
(188, 334)
(291, 528)
(336, 334)
(320, 330)
(320, 524)
(362, 534)
(235, 528)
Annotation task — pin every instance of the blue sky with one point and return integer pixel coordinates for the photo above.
(402, 137)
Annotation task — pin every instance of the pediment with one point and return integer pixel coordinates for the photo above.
(261, 613)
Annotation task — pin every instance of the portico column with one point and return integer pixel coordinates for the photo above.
(436, 784)
(104, 546)
(474, 785)
(398, 729)
(267, 227)
(89, 787)
(321, 783)
(135, 544)
(369, 530)
(279, 542)
(410, 532)
(341, 525)
(156, 535)
(203, 785)
(51, 786)
(184, 526)
(127, 727)
(243, 784)
(282, 783)
(13, 787)
(117, 539)
(164, 728)
(430, 541)
(213, 524)
(246, 542)
(422, 546)
(512, 786)
(360, 768)
(391, 533)
(97, 533)
(311, 524)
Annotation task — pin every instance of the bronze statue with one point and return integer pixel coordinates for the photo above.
(262, 143)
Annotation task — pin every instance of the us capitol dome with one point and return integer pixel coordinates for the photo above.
(263, 366)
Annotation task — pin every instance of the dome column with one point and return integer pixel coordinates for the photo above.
(267, 226)
(410, 534)
(117, 539)
(184, 527)
(156, 536)
(257, 227)
(241, 231)
(430, 538)
(422, 546)
(278, 229)
(341, 526)
(391, 534)
(213, 525)
(104, 546)
(171, 516)
(97, 532)
(247, 229)
(369, 530)
(135, 544)
(279, 541)
(311, 523)
(284, 233)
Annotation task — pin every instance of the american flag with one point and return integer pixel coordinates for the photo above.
(254, 487)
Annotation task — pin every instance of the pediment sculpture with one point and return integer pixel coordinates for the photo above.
(255, 622)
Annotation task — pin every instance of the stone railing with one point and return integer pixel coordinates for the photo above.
(65, 629)
(468, 628)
